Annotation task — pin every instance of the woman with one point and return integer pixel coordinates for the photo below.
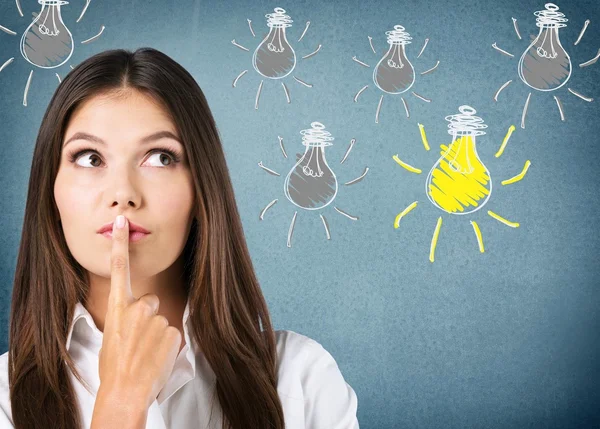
(131, 134)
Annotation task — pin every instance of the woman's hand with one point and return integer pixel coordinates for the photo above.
(139, 347)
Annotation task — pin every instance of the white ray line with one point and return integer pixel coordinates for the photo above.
(281, 146)
(87, 3)
(346, 214)
(59, 81)
(6, 30)
(27, 88)
(287, 94)
(250, 26)
(326, 227)
(239, 76)
(585, 24)
(290, 231)
(583, 97)
(305, 28)
(348, 150)
(423, 48)
(19, 7)
(405, 107)
(371, 43)
(94, 37)
(239, 46)
(514, 20)
(500, 89)
(501, 50)
(359, 92)
(262, 212)
(7, 62)
(302, 82)
(560, 108)
(525, 111)
(258, 95)
(378, 109)
(592, 61)
(273, 172)
(312, 53)
(360, 62)
(431, 69)
(420, 96)
(358, 178)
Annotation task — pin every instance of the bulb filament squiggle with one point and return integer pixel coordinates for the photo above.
(316, 138)
(549, 20)
(397, 36)
(279, 21)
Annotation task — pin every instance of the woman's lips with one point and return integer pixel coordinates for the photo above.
(133, 235)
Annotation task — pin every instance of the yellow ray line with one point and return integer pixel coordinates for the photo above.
(405, 165)
(505, 141)
(478, 234)
(501, 219)
(434, 239)
(423, 136)
(518, 176)
(404, 212)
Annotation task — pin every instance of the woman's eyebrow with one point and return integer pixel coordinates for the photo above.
(152, 137)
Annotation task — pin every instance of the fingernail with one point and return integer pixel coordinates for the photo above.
(120, 222)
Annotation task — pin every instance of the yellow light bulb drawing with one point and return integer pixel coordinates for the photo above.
(459, 182)
(311, 183)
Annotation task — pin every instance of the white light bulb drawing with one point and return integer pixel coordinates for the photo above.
(311, 184)
(394, 73)
(459, 183)
(274, 58)
(545, 65)
(47, 43)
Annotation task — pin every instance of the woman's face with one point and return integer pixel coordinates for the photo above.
(124, 175)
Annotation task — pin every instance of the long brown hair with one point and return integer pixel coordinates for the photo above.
(229, 314)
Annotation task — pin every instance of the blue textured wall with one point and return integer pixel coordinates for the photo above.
(502, 339)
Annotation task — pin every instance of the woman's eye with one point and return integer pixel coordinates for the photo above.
(161, 156)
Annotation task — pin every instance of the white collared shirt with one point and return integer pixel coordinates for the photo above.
(313, 392)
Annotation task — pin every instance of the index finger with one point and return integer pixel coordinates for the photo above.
(120, 283)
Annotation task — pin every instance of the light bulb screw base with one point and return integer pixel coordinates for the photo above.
(550, 17)
(465, 123)
(278, 19)
(398, 36)
(316, 136)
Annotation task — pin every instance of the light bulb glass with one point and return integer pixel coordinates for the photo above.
(545, 65)
(459, 182)
(311, 184)
(47, 42)
(274, 57)
(394, 73)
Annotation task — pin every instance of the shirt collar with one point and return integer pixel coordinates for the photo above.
(81, 313)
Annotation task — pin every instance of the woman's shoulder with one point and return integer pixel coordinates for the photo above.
(5, 410)
(311, 383)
